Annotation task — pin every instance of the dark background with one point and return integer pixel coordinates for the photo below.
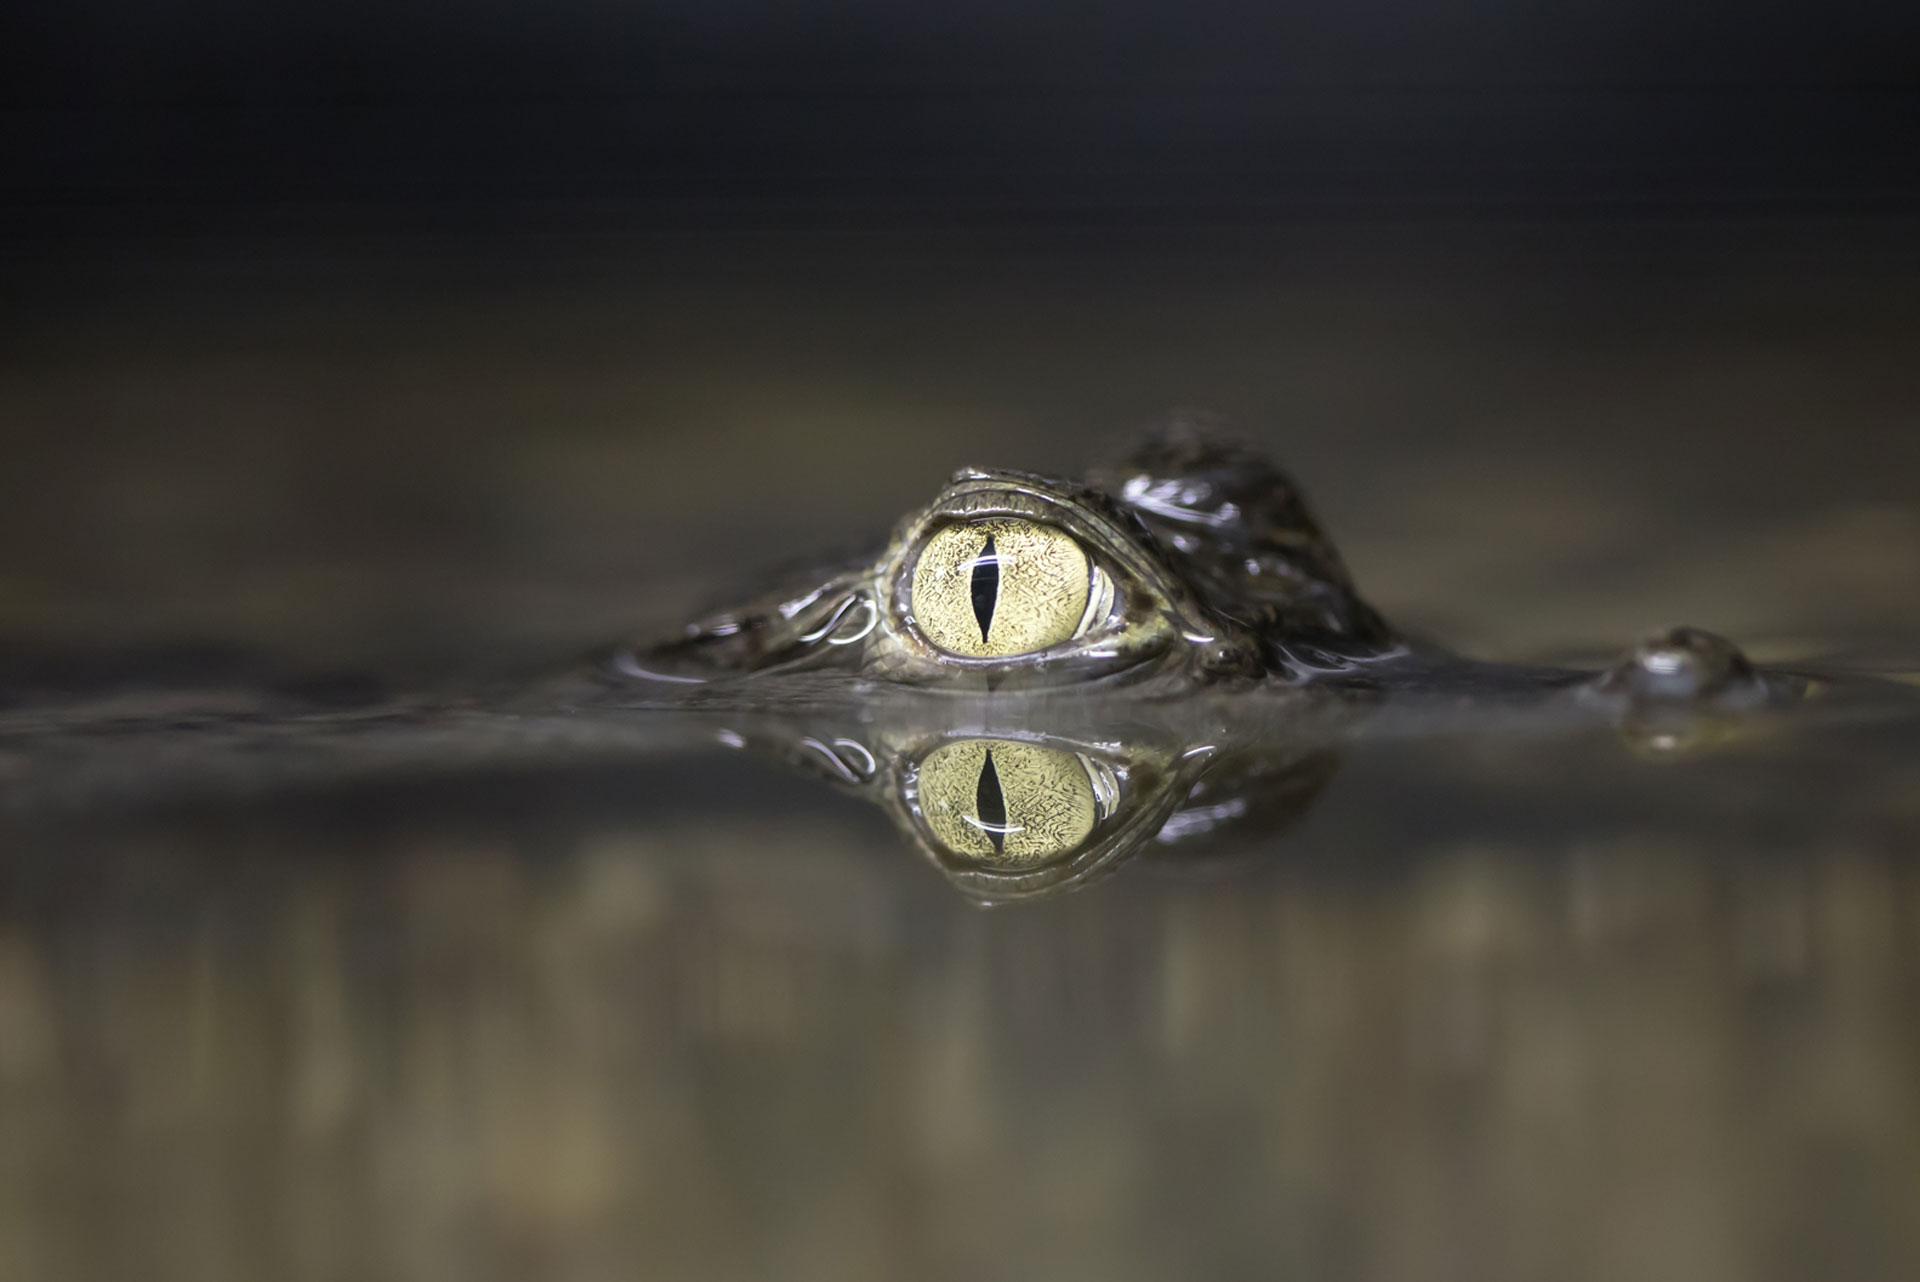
(204, 118)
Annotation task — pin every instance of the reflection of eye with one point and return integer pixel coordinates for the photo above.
(1012, 803)
(1003, 587)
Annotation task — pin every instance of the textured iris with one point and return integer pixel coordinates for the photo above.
(1006, 803)
(995, 588)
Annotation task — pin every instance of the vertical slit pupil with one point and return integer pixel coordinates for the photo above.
(986, 587)
(990, 804)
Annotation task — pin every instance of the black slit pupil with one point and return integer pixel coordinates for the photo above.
(991, 805)
(986, 587)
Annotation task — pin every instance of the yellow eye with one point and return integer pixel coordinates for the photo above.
(1010, 803)
(1002, 587)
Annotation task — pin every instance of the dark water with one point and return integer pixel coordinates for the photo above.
(1496, 1001)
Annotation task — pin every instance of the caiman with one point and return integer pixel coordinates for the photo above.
(1036, 676)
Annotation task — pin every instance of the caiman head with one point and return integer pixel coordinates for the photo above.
(1192, 560)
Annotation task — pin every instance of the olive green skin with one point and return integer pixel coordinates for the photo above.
(1225, 581)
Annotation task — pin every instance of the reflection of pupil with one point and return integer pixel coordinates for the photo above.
(986, 587)
(991, 806)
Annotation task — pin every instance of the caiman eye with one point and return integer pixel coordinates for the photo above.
(1003, 587)
(1005, 803)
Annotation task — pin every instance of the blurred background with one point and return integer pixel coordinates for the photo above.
(433, 342)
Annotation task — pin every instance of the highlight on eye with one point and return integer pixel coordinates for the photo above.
(1009, 803)
(1004, 586)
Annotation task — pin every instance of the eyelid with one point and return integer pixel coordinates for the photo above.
(1101, 594)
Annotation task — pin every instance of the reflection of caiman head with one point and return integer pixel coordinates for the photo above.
(1020, 815)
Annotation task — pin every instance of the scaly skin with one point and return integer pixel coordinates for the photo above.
(1221, 578)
